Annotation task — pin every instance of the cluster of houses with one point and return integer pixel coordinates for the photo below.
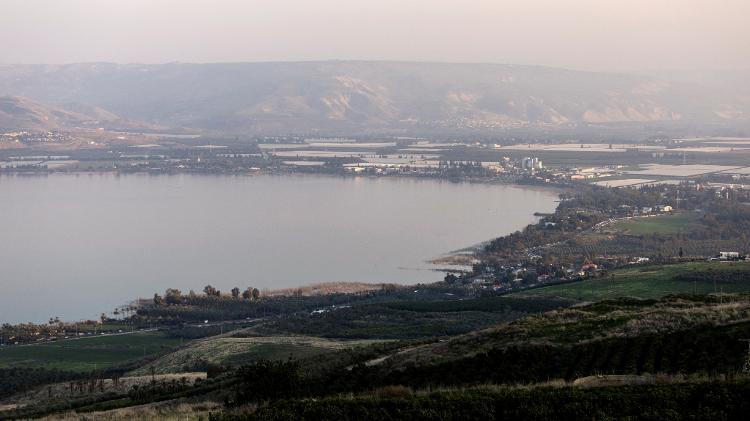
(648, 210)
(524, 277)
(521, 276)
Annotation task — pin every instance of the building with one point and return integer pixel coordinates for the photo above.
(531, 164)
(589, 267)
(664, 208)
(729, 255)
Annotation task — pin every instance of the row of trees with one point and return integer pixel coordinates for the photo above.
(173, 296)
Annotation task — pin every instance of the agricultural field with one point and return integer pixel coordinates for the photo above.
(87, 353)
(625, 182)
(654, 282)
(661, 224)
(581, 147)
(690, 170)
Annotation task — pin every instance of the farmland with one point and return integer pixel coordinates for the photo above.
(690, 170)
(654, 282)
(661, 224)
(87, 354)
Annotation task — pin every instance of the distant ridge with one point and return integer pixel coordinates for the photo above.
(368, 96)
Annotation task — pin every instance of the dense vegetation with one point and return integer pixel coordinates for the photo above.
(717, 401)
(411, 319)
(708, 350)
(175, 308)
(15, 380)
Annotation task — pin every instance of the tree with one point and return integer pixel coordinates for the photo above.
(172, 296)
(680, 253)
(235, 293)
(267, 380)
(248, 293)
(158, 300)
(451, 279)
(529, 278)
(210, 291)
(256, 293)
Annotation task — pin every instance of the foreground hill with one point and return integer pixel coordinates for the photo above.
(403, 352)
(678, 348)
(620, 336)
(369, 96)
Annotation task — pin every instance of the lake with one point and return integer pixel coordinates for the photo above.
(76, 245)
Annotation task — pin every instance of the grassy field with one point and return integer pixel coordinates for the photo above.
(163, 411)
(654, 282)
(87, 353)
(661, 224)
(244, 350)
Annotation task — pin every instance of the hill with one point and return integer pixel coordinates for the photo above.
(576, 339)
(667, 346)
(369, 96)
(23, 113)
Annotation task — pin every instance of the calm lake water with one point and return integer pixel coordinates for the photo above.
(74, 246)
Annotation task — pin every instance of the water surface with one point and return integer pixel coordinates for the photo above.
(76, 245)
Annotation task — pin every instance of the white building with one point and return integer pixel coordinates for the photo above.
(531, 164)
(665, 208)
(728, 255)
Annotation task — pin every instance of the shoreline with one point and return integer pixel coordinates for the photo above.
(467, 180)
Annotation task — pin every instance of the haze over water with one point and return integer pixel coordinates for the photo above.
(74, 246)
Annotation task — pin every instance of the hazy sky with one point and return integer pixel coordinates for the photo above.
(620, 35)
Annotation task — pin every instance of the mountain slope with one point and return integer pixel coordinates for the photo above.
(24, 113)
(363, 95)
